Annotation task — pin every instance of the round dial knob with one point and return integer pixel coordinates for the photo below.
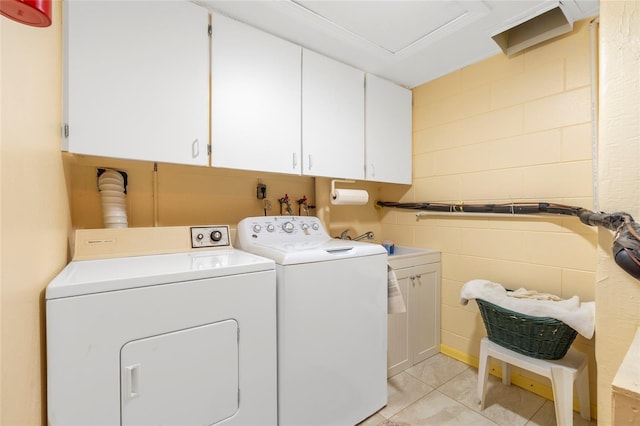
(304, 226)
(199, 237)
(257, 228)
(216, 236)
(287, 227)
(270, 228)
(315, 226)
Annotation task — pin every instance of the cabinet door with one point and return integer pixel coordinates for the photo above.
(388, 131)
(255, 99)
(399, 338)
(136, 80)
(425, 311)
(332, 118)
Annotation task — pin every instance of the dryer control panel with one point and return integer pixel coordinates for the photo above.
(210, 236)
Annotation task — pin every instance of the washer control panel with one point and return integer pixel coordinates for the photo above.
(210, 236)
(282, 228)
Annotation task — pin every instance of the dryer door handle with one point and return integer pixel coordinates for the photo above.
(132, 381)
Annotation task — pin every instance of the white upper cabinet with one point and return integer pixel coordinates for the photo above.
(388, 131)
(332, 118)
(255, 99)
(136, 80)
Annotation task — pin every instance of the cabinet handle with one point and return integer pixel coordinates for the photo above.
(195, 149)
(373, 170)
(295, 160)
(310, 162)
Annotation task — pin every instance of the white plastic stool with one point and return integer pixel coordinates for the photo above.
(562, 372)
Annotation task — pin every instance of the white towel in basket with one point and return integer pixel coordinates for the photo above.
(579, 316)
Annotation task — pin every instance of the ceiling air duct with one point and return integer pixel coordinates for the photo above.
(546, 24)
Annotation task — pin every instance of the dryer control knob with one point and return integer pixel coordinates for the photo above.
(216, 236)
(287, 227)
(270, 228)
(199, 237)
(257, 228)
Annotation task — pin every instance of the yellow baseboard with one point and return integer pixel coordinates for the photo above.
(542, 389)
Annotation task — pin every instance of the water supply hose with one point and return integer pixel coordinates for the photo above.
(626, 243)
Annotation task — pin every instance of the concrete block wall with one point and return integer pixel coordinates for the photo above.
(514, 128)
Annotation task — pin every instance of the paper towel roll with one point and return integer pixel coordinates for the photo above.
(349, 197)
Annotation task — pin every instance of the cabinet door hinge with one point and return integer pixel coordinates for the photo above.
(210, 30)
(65, 130)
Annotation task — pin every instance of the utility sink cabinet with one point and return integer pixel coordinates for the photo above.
(414, 335)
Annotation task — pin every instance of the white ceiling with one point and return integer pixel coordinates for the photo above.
(408, 42)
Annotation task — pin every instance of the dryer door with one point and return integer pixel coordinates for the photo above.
(186, 377)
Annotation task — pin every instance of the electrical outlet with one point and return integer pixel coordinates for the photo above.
(261, 191)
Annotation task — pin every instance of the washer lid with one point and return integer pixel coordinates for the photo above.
(96, 276)
(297, 252)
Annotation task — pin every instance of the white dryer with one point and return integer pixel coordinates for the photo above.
(332, 320)
(183, 338)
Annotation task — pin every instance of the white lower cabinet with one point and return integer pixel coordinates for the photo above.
(414, 335)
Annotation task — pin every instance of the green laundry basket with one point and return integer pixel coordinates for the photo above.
(537, 337)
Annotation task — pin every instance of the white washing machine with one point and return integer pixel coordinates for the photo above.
(184, 338)
(332, 320)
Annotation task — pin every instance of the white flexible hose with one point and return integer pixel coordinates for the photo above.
(113, 197)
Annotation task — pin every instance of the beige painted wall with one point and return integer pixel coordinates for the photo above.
(506, 129)
(187, 195)
(190, 195)
(35, 215)
(617, 294)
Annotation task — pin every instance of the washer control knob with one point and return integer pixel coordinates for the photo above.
(315, 226)
(199, 237)
(216, 236)
(270, 228)
(287, 227)
(257, 228)
(304, 226)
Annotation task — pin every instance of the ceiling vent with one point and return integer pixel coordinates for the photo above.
(530, 31)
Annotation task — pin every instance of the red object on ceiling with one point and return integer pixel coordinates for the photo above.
(36, 13)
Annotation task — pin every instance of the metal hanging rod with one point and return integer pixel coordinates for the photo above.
(518, 209)
(538, 216)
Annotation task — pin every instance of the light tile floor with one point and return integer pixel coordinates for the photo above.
(442, 391)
